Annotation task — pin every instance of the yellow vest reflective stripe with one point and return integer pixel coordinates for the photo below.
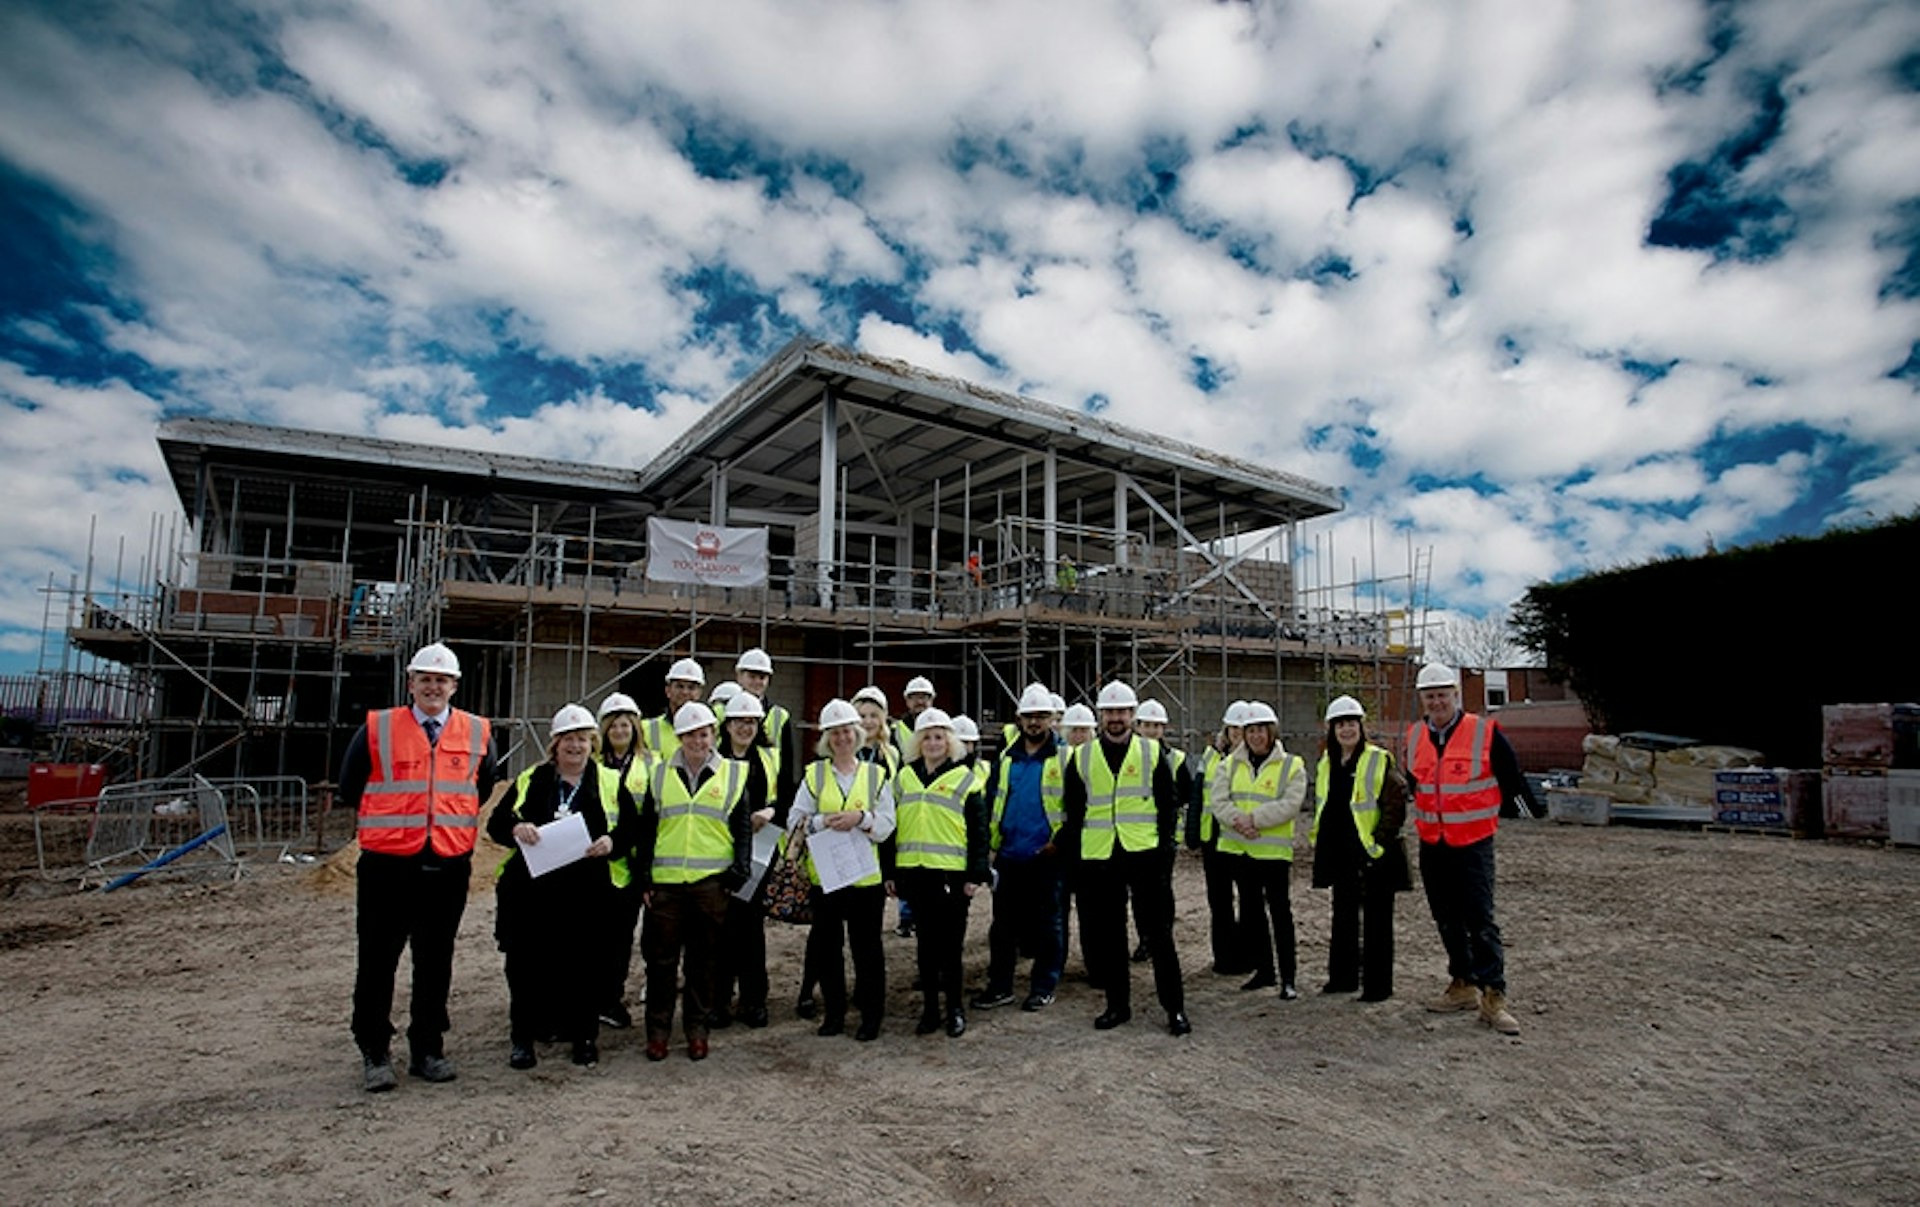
(660, 738)
(693, 840)
(1209, 764)
(609, 782)
(1368, 777)
(1248, 792)
(1119, 805)
(1053, 786)
(868, 779)
(930, 819)
(883, 756)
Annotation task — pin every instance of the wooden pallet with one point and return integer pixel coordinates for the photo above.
(1763, 831)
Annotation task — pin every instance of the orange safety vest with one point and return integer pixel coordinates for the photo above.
(421, 791)
(1456, 799)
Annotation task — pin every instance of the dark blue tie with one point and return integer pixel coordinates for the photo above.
(432, 726)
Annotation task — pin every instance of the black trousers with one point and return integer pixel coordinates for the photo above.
(554, 981)
(1224, 929)
(1167, 906)
(743, 955)
(939, 902)
(1459, 883)
(843, 921)
(1027, 904)
(1105, 887)
(1357, 959)
(681, 937)
(406, 900)
(1262, 887)
(622, 921)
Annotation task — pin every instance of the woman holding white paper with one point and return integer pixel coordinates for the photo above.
(842, 799)
(552, 927)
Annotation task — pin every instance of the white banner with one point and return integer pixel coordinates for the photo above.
(679, 552)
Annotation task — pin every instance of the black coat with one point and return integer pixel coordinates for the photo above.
(1338, 857)
(576, 895)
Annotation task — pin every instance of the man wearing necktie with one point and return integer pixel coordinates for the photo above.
(416, 776)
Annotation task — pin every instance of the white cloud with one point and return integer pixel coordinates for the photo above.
(266, 255)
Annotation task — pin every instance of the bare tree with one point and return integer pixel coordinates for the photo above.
(1481, 642)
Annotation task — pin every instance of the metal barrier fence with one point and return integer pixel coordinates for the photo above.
(267, 814)
(138, 822)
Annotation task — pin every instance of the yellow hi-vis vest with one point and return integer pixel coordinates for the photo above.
(1248, 792)
(1119, 805)
(1368, 776)
(694, 841)
(609, 785)
(1210, 764)
(773, 724)
(827, 798)
(660, 738)
(1053, 785)
(930, 819)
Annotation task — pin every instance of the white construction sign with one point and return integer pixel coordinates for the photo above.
(679, 552)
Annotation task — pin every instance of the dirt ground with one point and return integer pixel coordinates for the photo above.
(1707, 1018)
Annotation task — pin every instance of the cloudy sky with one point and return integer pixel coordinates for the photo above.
(1541, 285)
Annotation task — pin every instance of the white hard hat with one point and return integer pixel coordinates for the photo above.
(838, 713)
(571, 719)
(688, 670)
(1436, 674)
(1079, 717)
(693, 715)
(1236, 715)
(1152, 712)
(919, 685)
(617, 703)
(1117, 695)
(1344, 706)
(1036, 699)
(1259, 712)
(723, 693)
(754, 659)
(435, 659)
(1058, 701)
(965, 729)
(932, 718)
(872, 695)
(745, 704)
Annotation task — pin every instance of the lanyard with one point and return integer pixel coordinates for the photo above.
(566, 797)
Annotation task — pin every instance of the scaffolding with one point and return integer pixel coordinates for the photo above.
(917, 526)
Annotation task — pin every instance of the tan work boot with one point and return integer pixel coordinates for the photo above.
(1494, 1012)
(1459, 996)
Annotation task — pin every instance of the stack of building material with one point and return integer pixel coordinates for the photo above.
(1768, 798)
(1867, 751)
(1684, 778)
(1620, 773)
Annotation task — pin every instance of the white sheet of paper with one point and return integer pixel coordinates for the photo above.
(842, 858)
(561, 843)
(766, 840)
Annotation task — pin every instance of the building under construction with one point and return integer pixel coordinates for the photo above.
(915, 524)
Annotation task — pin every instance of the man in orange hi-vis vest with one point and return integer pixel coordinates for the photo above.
(1461, 769)
(416, 776)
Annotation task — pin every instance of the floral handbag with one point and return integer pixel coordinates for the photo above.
(788, 892)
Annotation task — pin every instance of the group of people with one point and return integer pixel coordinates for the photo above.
(669, 826)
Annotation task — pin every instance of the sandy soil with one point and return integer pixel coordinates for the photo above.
(1707, 1018)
